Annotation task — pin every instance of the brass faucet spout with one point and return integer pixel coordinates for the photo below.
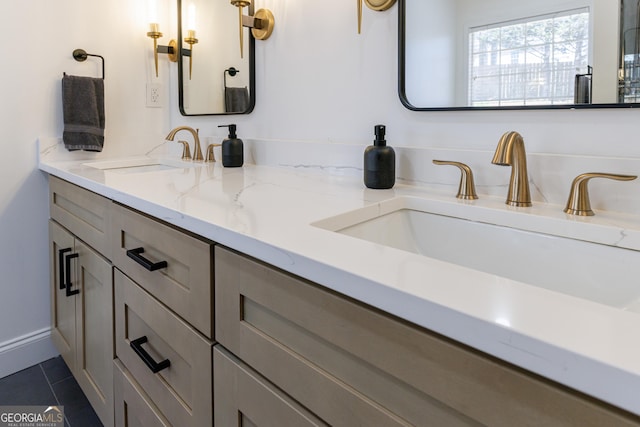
(510, 152)
(197, 151)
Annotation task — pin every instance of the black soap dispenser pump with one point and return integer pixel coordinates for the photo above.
(379, 162)
(232, 149)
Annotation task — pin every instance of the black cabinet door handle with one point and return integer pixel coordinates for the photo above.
(67, 268)
(61, 267)
(134, 254)
(154, 366)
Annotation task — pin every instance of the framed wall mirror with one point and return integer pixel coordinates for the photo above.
(213, 77)
(516, 54)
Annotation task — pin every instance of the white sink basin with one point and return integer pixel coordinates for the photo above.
(139, 164)
(597, 272)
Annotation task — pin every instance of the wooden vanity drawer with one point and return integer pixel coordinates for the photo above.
(185, 284)
(246, 399)
(133, 407)
(353, 365)
(80, 211)
(183, 390)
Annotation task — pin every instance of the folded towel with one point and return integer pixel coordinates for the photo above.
(236, 99)
(83, 113)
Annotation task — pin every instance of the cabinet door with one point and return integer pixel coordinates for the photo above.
(63, 307)
(133, 407)
(94, 326)
(353, 365)
(243, 398)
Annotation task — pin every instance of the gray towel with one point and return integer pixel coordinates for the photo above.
(83, 113)
(236, 99)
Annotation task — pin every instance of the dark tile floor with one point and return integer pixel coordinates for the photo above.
(49, 383)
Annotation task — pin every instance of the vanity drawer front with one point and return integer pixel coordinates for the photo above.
(185, 283)
(241, 393)
(353, 365)
(133, 407)
(183, 390)
(80, 211)
(278, 325)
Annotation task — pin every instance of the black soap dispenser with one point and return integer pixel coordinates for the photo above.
(379, 162)
(232, 149)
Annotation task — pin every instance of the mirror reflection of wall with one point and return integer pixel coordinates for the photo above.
(216, 25)
(506, 54)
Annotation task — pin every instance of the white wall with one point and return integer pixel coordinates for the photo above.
(39, 37)
(322, 83)
(317, 79)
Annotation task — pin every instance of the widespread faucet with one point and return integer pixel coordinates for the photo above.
(510, 152)
(197, 151)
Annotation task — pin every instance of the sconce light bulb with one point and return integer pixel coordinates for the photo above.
(192, 16)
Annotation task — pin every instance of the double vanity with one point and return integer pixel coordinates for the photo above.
(288, 297)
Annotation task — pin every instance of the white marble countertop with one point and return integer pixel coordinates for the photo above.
(267, 212)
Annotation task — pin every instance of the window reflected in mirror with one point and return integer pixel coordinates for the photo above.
(530, 61)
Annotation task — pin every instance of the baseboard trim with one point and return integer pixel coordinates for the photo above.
(25, 351)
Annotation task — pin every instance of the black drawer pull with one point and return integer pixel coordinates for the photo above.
(155, 367)
(61, 269)
(134, 254)
(67, 267)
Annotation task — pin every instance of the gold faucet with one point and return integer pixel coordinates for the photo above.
(186, 153)
(197, 151)
(210, 156)
(578, 202)
(510, 152)
(466, 188)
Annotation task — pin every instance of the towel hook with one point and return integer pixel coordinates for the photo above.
(81, 55)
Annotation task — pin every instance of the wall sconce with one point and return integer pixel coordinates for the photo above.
(261, 23)
(191, 39)
(171, 50)
(378, 5)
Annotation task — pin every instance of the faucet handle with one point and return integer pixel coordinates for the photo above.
(186, 153)
(578, 202)
(467, 188)
(210, 157)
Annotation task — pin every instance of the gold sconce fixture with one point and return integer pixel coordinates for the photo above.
(171, 50)
(261, 23)
(190, 39)
(378, 5)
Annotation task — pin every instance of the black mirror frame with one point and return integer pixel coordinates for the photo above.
(402, 84)
(181, 72)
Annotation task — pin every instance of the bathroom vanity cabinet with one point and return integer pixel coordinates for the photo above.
(350, 364)
(81, 291)
(206, 335)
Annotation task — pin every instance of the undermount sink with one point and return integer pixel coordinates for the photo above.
(139, 164)
(597, 272)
